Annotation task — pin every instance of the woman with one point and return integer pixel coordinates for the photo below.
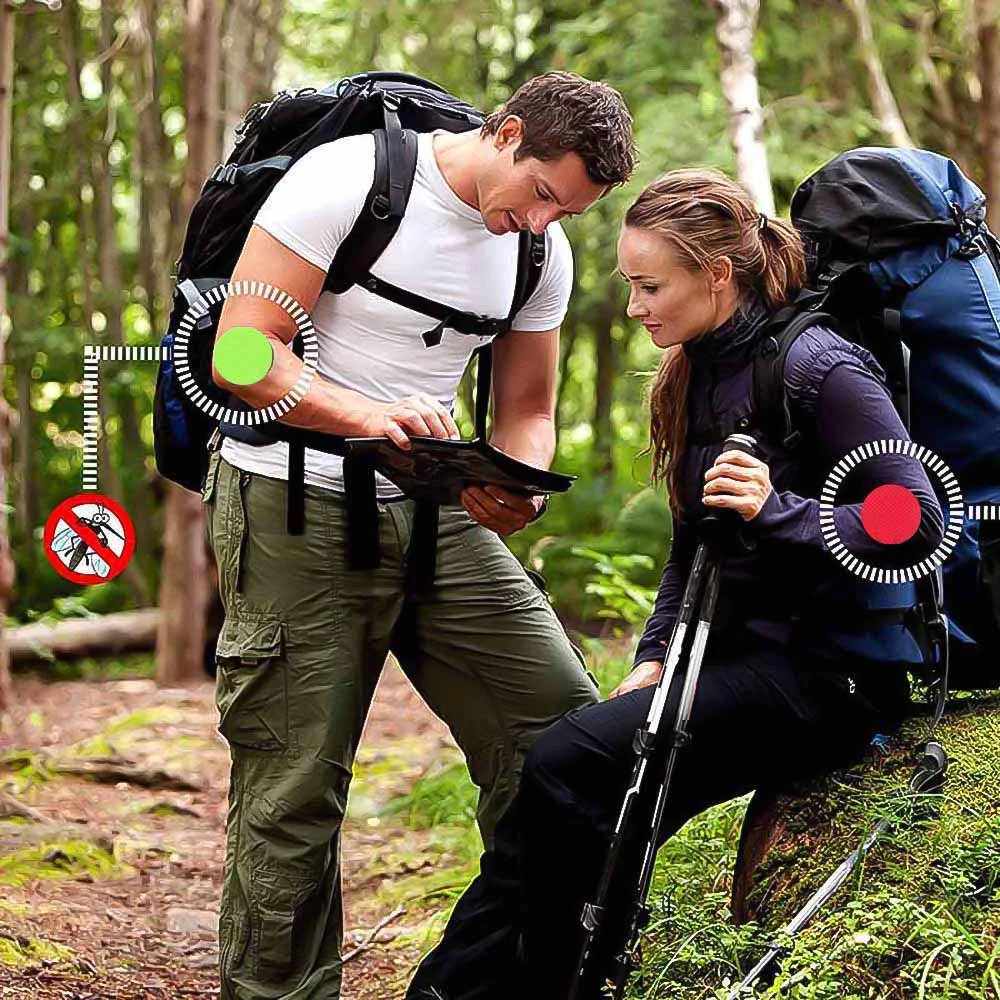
(797, 677)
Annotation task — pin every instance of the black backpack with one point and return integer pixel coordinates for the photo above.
(272, 136)
(901, 262)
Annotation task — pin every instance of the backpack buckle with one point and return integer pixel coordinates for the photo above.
(390, 100)
(492, 327)
(381, 206)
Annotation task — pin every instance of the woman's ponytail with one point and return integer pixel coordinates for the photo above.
(784, 264)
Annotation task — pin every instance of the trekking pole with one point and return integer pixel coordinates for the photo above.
(927, 777)
(703, 581)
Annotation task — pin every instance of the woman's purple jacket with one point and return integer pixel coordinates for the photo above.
(789, 587)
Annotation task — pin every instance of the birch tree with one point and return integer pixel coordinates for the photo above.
(735, 26)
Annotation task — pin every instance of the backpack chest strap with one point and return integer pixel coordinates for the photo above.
(452, 319)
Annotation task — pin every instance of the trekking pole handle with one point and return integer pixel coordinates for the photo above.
(741, 442)
(714, 521)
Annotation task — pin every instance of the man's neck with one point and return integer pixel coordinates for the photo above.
(457, 157)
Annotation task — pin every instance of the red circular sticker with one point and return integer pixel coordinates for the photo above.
(89, 538)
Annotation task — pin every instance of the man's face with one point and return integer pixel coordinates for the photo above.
(531, 193)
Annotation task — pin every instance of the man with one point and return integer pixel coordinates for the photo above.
(305, 636)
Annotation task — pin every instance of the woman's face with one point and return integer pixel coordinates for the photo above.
(672, 301)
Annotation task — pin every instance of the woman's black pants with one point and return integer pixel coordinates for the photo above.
(761, 718)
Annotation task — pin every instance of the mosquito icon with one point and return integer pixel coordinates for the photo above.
(79, 550)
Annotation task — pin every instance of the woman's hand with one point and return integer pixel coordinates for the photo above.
(738, 481)
(645, 674)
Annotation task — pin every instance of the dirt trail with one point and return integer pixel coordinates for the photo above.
(129, 909)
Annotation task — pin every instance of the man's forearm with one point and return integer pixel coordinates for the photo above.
(530, 439)
(325, 407)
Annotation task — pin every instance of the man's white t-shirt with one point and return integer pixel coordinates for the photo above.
(442, 250)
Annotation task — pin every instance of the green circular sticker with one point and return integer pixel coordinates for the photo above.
(243, 355)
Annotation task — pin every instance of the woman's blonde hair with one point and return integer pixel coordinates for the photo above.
(706, 215)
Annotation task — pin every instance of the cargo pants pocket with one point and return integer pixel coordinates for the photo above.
(252, 682)
(276, 901)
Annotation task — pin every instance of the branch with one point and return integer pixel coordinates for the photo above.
(883, 102)
(369, 939)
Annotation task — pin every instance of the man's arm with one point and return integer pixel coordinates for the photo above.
(325, 407)
(525, 366)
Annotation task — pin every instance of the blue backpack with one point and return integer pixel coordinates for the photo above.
(901, 262)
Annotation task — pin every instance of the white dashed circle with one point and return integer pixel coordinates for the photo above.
(199, 309)
(953, 525)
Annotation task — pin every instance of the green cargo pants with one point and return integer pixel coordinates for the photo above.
(300, 652)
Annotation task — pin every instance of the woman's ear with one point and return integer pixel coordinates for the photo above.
(720, 274)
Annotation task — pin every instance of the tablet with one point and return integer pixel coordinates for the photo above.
(438, 470)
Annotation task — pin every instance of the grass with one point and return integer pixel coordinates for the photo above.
(919, 919)
(21, 953)
(67, 859)
(123, 667)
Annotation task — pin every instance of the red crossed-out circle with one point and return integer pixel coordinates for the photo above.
(67, 512)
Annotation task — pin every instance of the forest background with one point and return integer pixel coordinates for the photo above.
(112, 113)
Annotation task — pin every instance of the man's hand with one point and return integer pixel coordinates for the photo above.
(738, 481)
(413, 416)
(500, 510)
(645, 674)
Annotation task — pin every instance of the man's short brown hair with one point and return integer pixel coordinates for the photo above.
(565, 113)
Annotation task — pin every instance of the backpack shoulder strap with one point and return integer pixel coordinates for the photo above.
(530, 260)
(395, 169)
(772, 413)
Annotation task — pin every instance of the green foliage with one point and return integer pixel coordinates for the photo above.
(19, 953)
(621, 599)
(632, 530)
(663, 57)
(442, 796)
(67, 859)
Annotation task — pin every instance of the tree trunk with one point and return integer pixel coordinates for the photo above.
(184, 591)
(22, 356)
(6, 115)
(734, 29)
(604, 348)
(989, 80)
(251, 45)
(110, 300)
(83, 175)
(567, 345)
(105, 636)
(237, 66)
(150, 175)
(201, 81)
(883, 101)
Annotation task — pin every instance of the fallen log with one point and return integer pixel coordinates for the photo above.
(791, 842)
(111, 770)
(108, 635)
